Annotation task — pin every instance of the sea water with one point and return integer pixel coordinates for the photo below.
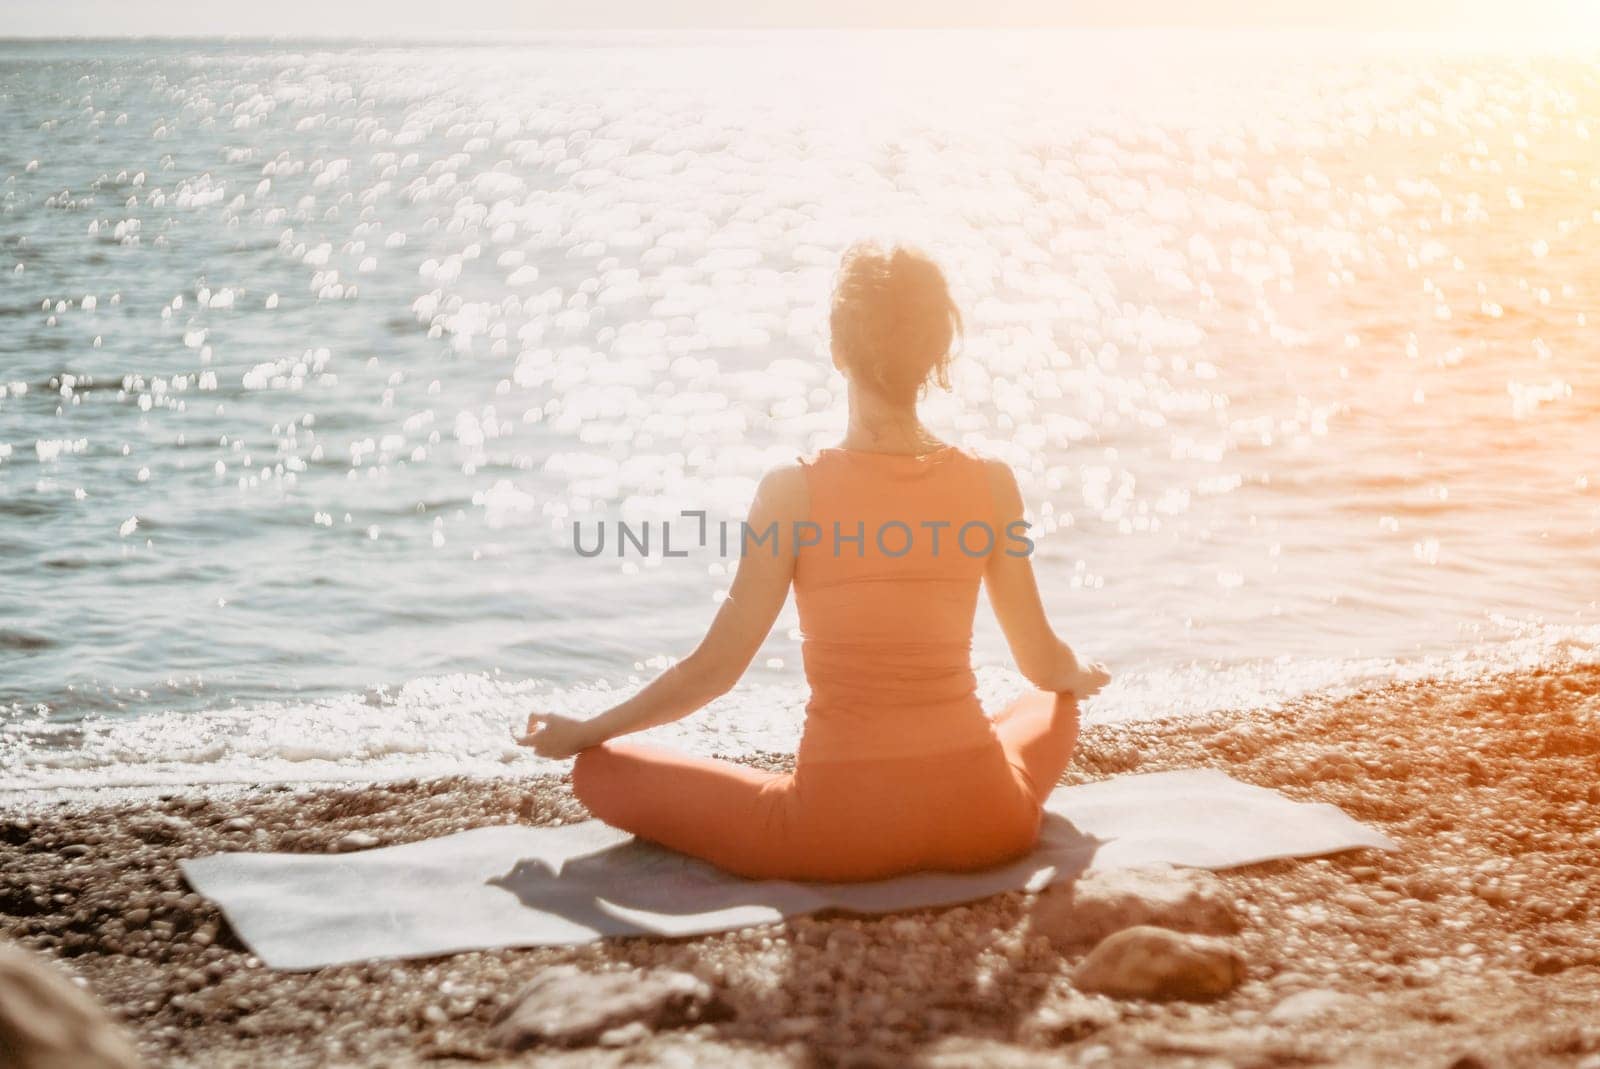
(312, 353)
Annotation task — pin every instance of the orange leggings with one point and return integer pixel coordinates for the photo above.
(842, 820)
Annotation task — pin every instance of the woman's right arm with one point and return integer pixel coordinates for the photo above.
(1042, 657)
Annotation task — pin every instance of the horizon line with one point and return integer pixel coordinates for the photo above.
(494, 36)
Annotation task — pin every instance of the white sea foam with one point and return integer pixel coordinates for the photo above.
(463, 725)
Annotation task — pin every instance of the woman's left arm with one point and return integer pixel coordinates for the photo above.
(760, 587)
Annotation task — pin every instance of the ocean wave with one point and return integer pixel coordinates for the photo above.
(464, 724)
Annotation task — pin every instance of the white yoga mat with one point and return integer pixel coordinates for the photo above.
(513, 885)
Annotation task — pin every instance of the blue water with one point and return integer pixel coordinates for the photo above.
(311, 354)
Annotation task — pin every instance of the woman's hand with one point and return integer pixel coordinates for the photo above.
(555, 736)
(1088, 680)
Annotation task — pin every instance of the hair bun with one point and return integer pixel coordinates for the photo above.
(893, 320)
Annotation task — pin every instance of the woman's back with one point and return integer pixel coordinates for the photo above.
(886, 597)
(898, 768)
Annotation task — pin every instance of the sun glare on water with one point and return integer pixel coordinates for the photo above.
(323, 350)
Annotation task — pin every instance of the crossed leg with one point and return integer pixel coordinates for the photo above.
(1039, 733)
(754, 824)
(731, 815)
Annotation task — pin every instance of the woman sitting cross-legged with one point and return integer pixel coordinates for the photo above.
(885, 539)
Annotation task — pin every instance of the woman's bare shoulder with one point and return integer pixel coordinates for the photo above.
(997, 470)
(1002, 482)
(782, 492)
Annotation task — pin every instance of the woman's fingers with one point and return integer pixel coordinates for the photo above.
(552, 735)
(1095, 677)
(537, 724)
(545, 735)
(537, 743)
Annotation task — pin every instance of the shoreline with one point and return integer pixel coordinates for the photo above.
(1478, 939)
(1221, 692)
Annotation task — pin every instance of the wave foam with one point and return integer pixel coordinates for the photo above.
(463, 724)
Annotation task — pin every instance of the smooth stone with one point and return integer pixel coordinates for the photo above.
(789, 1028)
(965, 1052)
(1292, 979)
(565, 1006)
(1066, 1020)
(625, 1035)
(161, 828)
(1092, 907)
(1469, 1060)
(357, 840)
(1158, 963)
(1305, 1006)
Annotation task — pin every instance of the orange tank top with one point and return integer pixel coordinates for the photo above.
(886, 596)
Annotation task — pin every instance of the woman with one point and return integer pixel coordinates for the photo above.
(898, 768)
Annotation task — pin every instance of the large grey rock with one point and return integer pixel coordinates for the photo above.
(565, 1006)
(1157, 963)
(1090, 908)
(46, 1022)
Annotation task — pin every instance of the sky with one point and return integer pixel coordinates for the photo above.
(68, 18)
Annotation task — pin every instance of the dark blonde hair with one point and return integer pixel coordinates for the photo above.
(893, 321)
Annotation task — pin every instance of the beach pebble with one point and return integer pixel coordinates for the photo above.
(964, 1052)
(46, 1022)
(160, 828)
(1303, 1006)
(790, 1028)
(625, 1035)
(565, 1006)
(1470, 1060)
(845, 941)
(1158, 963)
(1092, 907)
(1477, 771)
(1292, 979)
(1117, 756)
(357, 840)
(1064, 1020)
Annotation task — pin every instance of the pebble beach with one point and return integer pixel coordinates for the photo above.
(320, 352)
(1472, 945)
